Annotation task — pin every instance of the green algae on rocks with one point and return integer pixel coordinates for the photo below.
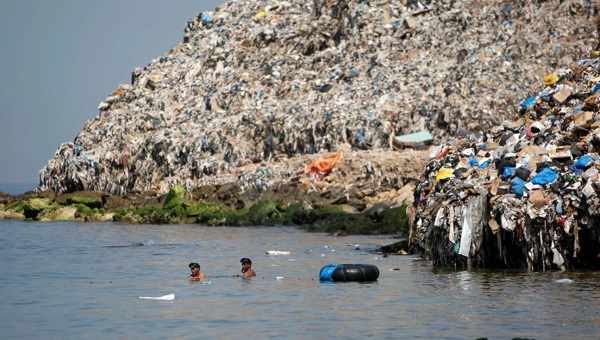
(178, 206)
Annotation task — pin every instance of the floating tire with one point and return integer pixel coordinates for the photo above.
(349, 273)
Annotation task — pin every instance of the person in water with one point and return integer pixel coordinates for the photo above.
(196, 274)
(247, 271)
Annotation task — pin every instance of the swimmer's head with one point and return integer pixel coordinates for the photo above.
(246, 264)
(195, 268)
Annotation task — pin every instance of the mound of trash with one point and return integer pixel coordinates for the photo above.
(525, 194)
(260, 81)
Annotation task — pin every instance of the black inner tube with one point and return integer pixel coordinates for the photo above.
(355, 272)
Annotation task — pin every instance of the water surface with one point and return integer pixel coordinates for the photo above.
(68, 280)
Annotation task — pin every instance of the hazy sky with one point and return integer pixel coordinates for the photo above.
(60, 58)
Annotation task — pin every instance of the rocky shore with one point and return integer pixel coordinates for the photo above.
(179, 207)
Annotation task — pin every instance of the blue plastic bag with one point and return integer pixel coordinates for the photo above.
(518, 186)
(508, 172)
(546, 176)
(206, 19)
(485, 164)
(596, 88)
(583, 162)
(473, 162)
(528, 103)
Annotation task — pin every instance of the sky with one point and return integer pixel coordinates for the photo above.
(61, 58)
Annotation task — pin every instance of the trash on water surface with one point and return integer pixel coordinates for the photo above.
(277, 252)
(168, 297)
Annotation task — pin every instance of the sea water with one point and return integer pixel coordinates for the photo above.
(73, 281)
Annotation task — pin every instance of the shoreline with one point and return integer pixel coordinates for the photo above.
(181, 207)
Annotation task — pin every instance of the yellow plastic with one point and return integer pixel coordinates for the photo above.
(444, 173)
(551, 79)
(261, 14)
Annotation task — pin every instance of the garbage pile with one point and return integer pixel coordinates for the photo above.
(524, 194)
(261, 81)
(354, 181)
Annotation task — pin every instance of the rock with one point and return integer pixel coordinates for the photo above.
(11, 215)
(5, 198)
(38, 203)
(377, 211)
(92, 200)
(116, 202)
(34, 206)
(394, 248)
(60, 214)
(107, 217)
(347, 209)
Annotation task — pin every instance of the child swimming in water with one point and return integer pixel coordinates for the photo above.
(247, 271)
(196, 274)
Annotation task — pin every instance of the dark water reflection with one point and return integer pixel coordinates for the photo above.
(65, 280)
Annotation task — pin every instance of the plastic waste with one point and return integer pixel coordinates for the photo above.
(583, 162)
(546, 176)
(528, 103)
(508, 172)
(518, 186)
(551, 79)
(485, 163)
(206, 19)
(422, 137)
(277, 252)
(444, 173)
(321, 167)
(542, 190)
(168, 297)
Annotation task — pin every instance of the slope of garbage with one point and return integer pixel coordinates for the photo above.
(525, 194)
(259, 82)
(347, 192)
